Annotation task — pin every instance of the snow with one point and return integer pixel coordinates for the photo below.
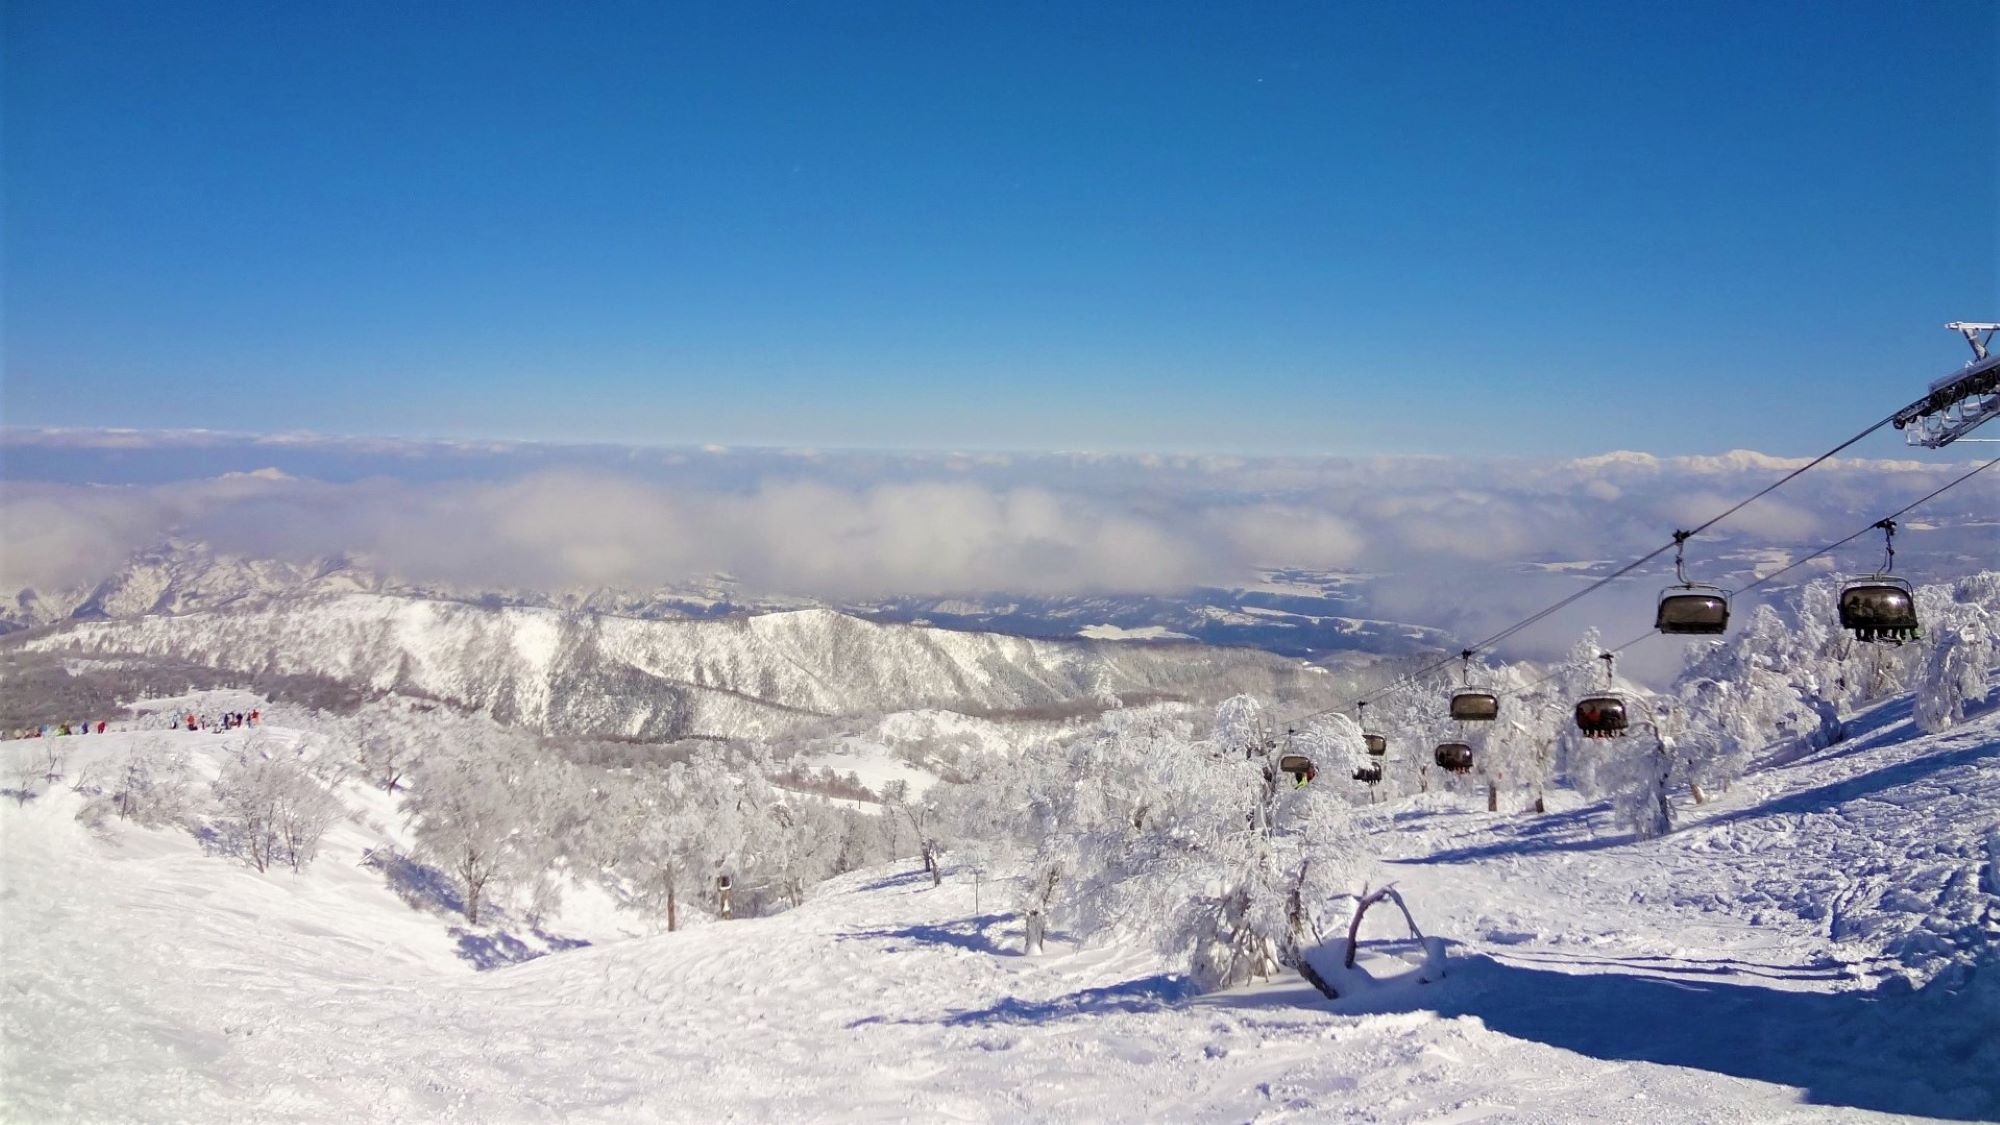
(874, 764)
(1816, 944)
(1143, 633)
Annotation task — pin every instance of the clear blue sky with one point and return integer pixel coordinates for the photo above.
(1493, 228)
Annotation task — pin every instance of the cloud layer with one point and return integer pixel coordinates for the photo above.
(75, 504)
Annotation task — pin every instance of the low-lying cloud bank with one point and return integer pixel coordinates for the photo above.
(75, 504)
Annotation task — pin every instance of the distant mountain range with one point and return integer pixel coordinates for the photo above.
(1290, 612)
(669, 666)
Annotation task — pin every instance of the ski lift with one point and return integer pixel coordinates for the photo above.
(1881, 607)
(1691, 609)
(1378, 746)
(1472, 706)
(1454, 756)
(1605, 715)
(1369, 774)
(1299, 766)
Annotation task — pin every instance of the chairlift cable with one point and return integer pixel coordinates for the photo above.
(1897, 514)
(1677, 541)
(1871, 527)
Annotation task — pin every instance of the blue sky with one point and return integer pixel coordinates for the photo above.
(1479, 228)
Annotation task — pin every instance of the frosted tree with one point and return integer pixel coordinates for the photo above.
(1416, 718)
(385, 739)
(726, 807)
(801, 842)
(1515, 751)
(1633, 773)
(276, 809)
(1068, 809)
(1335, 746)
(152, 786)
(1957, 669)
(658, 831)
(1713, 737)
(26, 772)
(921, 818)
(465, 805)
(1778, 682)
(55, 758)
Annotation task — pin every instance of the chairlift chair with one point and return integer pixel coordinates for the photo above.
(1298, 765)
(1602, 716)
(1691, 609)
(1378, 745)
(1881, 607)
(1470, 705)
(1475, 706)
(1369, 774)
(1454, 756)
(1605, 714)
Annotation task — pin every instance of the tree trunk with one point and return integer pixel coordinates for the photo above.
(1700, 798)
(673, 911)
(1541, 803)
(1492, 797)
(1032, 943)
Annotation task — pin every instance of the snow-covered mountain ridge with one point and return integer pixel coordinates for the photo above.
(1294, 613)
(577, 673)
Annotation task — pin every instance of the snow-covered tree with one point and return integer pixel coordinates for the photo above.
(466, 808)
(921, 818)
(152, 786)
(658, 829)
(26, 773)
(1957, 669)
(1203, 847)
(386, 736)
(1633, 773)
(273, 805)
(800, 844)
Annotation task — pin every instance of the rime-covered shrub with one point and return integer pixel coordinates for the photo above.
(272, 806)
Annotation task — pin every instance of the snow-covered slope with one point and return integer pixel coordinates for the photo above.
(588, 674)
(1818, 944)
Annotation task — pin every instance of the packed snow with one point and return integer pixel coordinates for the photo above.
(1816, 943)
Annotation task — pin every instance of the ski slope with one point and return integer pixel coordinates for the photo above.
(1817, 944)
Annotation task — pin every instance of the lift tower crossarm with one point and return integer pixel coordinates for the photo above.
(1960, 402)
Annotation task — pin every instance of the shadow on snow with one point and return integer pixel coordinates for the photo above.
(1931, 1052)
(969, 933)
(1141, 994)
(1568, 832)
(498, 950)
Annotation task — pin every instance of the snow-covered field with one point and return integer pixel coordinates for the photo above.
(1819, 943)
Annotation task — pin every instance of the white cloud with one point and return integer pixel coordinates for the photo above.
(854, 525)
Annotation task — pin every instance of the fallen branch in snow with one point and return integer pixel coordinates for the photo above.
(1367, 900)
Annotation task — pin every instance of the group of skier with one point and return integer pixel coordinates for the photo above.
(55, 730)
(227, 721)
